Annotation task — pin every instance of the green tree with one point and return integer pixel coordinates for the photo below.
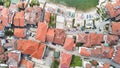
(55, 64)
(7, 3)
(34, 2)
(9, 32)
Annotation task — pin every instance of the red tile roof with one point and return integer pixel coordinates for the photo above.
(19, 32)
(41, 32)
(65, 61)
(27, 63)
(116, 28)
(1, 27)
(19, 19)
(96, 52)
(90, 39)
(117, 56)
(69, 44)
(27, 46)
(107, 51)
(112, 39)
(59, 36)
(47, 17)
(50, 34)
(39, 52)
(106, 65)
(5, 16)
(85, 52)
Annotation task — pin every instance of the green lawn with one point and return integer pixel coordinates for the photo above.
(83, 5)
(76, 61)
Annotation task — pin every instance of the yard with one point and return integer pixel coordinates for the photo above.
(76, 61)
(82, 5)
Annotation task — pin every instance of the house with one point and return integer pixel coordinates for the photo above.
(1, 50)
(39, 52)
(113, 10)
(32, 48)
(65, 60)
(19, 32)
(59, 36)
(117, 55)
(60, 22)
(106, 65)
(47, 17)
(26, 63)
(41, 32)
(2, 30)
(112, 39)
(107, 51)
(85, 51)
(32, 14)
(50, 35)
(69, 44)
(11, 44)
(4, 17)
(96, 52)
(27, 46)
(19, 19)
(90, 39)
(16, 55)
(116, 28)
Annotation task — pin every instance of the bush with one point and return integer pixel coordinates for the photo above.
(76, 61)
(8, 32)
(55, 64)
(34, 2)
(7, 3)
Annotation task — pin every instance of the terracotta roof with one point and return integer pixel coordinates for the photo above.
(112, 39)
(19, 32)
(90, 39)
(5, 16)
(50, 34)
(85, 51)
(110, 9)
(47, 17)
(59, 36)
(14, 55)
(66, 60)
(106, 65)
(1, 27)
(41, 31)
(19, 19)
(69, 44)
(116, 28)
(27, 63)
(88, 65)
(96, 52)
(39, 52)
(27, 46)
(117, 56)
(107, 51)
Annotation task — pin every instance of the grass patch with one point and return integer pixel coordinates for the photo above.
(83, 5)
(76, 61)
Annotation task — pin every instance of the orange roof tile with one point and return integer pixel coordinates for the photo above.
(1, 27)
(97, 52)
(106, 65)
(39, 52)
(27, 63)
(112, 39)
(59, 36)
(47, 17)
(65, 61)
(116, 28)
(107, 51)
(27, 46)
(85, 52)
(50, 34)
(19, 32)
(69, 44)
(19, 19)
(41, 31)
